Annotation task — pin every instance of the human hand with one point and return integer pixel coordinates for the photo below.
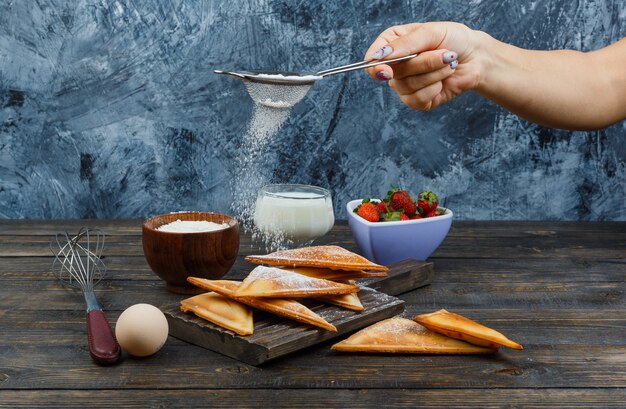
(448, 64)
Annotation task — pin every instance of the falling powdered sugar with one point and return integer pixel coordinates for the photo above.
(272, 104)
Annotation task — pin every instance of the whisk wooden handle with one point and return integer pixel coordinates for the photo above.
(103, 346)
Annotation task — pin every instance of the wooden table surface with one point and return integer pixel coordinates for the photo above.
(555, 287)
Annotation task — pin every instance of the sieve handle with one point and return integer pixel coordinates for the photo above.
(364, 64)
(103, 346)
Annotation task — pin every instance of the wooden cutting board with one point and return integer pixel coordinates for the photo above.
(276, 336)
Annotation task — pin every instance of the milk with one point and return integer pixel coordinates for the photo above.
(298, 216)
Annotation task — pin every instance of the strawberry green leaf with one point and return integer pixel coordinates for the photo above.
(391, 216)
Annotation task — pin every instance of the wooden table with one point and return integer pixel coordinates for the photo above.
(558, 288)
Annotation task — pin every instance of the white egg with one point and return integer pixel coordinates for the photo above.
(141, 329)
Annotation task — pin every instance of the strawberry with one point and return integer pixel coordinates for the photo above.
(416, 216)
(432, 213)
(381, 207)
(403, 216)
(400, 200)
(427, 201)
(367, 210)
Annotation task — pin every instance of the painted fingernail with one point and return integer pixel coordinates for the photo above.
(454, 64)
(382, 75)
(382, 52)
(448, 57)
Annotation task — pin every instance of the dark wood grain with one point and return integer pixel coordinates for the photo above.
(185, 366)
(556, 287)
(573, 270)
(323, 398)
(404, 276)
(119, 294)
(539, 327)
(461, 247)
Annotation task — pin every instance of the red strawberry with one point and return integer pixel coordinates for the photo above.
(416, 216)
(432, 213)
(381, 207)
(403, 216)
(368, 211)
(428, 202)
(401, 200)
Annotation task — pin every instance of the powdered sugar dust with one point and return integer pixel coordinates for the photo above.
(272, 104)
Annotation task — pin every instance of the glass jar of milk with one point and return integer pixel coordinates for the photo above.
(293, 215)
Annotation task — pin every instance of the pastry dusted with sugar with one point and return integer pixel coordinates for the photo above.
(460, 327)
(274, 282)
(347, 301)
(285, 308)
(333, 257)
(401, 335)
(335, 275)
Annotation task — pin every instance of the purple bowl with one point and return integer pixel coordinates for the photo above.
(389, 242)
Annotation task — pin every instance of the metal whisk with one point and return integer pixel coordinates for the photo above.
(78, 264)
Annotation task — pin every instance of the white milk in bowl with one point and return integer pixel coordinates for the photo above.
(293, 214)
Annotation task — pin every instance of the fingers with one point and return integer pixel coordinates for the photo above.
(429, 79)
(386, 37)
(426, 62)
(382, 72)
(414, 38)
(382, 40)
(424, 37)
(414, 83)
(424, 99)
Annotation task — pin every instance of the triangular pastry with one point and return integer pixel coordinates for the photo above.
(333, 257)
(401, 335)
(347, 301)
(459, 327)
(334, 275)
(276, 283)
(286, 308)
(221, 311)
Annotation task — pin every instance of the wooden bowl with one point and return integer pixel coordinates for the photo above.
(174, 256)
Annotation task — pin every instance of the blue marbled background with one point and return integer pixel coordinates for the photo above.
(109, 109)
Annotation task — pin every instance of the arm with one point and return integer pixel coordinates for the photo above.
(565, 89)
